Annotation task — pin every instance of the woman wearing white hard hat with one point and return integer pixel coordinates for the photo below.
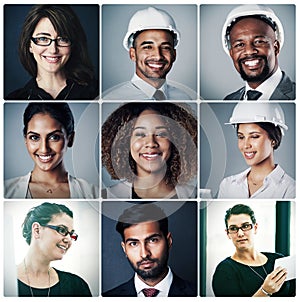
(260, 127)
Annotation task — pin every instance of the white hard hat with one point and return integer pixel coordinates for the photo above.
(267, 14)
(258, 112)
(150, 18)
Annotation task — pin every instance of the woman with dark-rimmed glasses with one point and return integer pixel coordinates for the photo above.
(48, 230)
(53, 50)
(248, 272)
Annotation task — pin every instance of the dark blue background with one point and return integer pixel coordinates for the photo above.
(15, 76)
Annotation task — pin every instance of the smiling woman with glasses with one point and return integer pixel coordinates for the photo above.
(53, 50)
(248, 272)
(48, 230)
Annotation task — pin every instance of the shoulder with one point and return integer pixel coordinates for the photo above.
(237, 95)
(126, 289)
(73, 283)
(181, 287)
(186, 191)
(16, 187)
(80, 188)
(121, 189)
(84, 92)
(123, 91)
(176, 93)
(22, 93)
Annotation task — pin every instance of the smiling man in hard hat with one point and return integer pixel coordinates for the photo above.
(253, 37)
(151, 40)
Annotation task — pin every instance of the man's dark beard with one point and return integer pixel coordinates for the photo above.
(154, 273)
(258, 78)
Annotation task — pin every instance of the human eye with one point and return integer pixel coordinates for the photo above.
(240, 136)
(62, 230)
(63, 40)
(238, 45)
(147, 46)
(42, 40)
(34, 137)
(54, 137)
(132, 243)
(139, 134)
(255, 136)
(259, 42)
(153, 240)
(246, 226)
(163, 134)
(233, 229)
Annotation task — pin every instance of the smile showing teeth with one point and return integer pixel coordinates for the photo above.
(155, 65)
(44, 157)
(151, 156)
(62, 247)
(251, 63)
(52, 59)
(249, 155)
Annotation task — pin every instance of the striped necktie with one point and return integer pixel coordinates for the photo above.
(150, 292)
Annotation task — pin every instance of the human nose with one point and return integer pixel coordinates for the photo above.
(151, 141)
(250, 48)
(157, 52)
(53, 46)
(247, 143)
(44, 146)
(144, 251)
(240, 232)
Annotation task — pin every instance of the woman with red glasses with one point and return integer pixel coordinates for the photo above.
(48, 230)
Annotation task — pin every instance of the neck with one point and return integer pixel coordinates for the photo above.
(155, 82)
(57, 175)
(34, 264)
(52, 83)
(260, 171)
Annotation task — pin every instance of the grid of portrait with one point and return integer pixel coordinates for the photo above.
(161, 148)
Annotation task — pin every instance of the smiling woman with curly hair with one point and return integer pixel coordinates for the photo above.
(152, 149)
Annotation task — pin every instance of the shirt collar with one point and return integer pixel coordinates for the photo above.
(148, 89)
(163, 286)
(268, 86)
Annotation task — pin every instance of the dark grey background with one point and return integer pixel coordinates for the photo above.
(15, 76)
(116, 64)
(183, 254)
(219, 153)
(218, 77)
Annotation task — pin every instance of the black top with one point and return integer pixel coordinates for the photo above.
(179, 288)
(73, 91)
(234, 279)
(69, 285)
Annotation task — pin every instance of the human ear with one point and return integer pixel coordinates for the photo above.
(35, 230)
(71, 139)
(132, 54)
(276, 47)
(169, 240)
(123, 247)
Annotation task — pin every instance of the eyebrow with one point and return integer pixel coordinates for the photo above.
(43, 34)
(151, 42)
(158, 127)
(252, 132)
(49, 134)
(234, 225)
(145, 239)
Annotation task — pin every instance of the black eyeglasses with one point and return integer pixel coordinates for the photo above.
(45, 41)
(62, 230)
(234, 229)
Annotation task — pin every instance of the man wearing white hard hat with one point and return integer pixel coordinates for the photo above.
(259, 128)
(151, 40)
(253, 36)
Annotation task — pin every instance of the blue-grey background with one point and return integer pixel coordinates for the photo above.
(108, 108)
(116, 64)
(82, 160)
(218, 77)
(219, 153)
(15, 76)
(183, 254)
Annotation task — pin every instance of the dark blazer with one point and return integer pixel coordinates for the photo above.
(286, 90)
(179, 288)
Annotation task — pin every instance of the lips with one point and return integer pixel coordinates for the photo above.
(45, 158)
(156, 64)
(249, 155)
(151, 156)
(62, 247)
(52, 59)
(252, 62)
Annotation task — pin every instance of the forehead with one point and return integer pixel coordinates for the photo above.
(154, 35)
(251, 26)
(250, 127)
(44, 26)
(149, 117)
(62, 219)
(238, 219)
(43, 121)
(142, 230)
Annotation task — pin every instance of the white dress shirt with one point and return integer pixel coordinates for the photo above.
(276, 185)
(163, 286)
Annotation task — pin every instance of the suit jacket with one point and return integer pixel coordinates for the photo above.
(286, 90)
(179, 288)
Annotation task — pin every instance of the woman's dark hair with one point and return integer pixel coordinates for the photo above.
(65, 22)
(239, 209)
(274, 132)
(142, 213)
(42, 214)
(182, 128)
(58, 111)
